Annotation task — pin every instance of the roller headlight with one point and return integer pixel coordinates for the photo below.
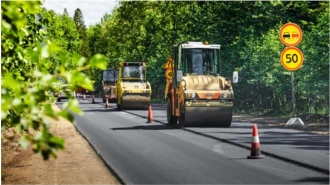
(190, 94)
(227, 95)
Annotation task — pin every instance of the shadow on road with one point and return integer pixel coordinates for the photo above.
(270, 136)
(299, 140)
(146, 127)
(321, 180)
(99, 110)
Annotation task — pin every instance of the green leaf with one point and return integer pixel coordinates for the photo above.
(81, 61)
(68, 116)
(38, 136)
(57, 141)
(74, 106)
(49, 111)
(99, 61)
(24, 143)
(45, 52)
(52, 48)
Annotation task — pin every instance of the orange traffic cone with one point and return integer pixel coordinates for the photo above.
(84, 98)
(149, 115)
(93, 99)
(255, 145)
(106, 102)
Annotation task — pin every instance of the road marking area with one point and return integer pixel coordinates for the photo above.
(218, 149)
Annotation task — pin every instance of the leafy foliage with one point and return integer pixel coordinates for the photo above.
(30, 65)
(248, 32)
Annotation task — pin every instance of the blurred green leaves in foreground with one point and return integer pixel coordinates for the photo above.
(30, 66)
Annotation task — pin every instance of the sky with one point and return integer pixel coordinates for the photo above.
(93, 10)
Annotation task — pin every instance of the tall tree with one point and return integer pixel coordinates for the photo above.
(65, 12)
(82, 30)
(63, 33)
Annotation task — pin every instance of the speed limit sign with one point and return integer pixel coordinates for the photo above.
(292, 58)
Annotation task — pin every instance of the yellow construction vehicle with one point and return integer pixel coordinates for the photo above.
(133, 90)
(110, 76)
(195, 92)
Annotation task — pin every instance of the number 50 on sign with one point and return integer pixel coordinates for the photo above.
(291, 58)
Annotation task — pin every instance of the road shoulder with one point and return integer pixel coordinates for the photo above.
(77, 164)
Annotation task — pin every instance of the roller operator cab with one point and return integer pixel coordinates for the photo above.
(195, 92)
(110, 77)
(133, 89)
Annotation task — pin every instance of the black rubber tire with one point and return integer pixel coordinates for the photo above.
(121, 105)
(182, 119)
(118, 106)
(170, 119)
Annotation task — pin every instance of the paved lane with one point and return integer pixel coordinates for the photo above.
(155, 153)
(312, 149)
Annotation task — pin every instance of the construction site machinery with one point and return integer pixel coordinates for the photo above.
(195, 92)
(133, 90)
(110, 77)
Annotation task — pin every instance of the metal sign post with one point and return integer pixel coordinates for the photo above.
(293, 97)
(292, 59)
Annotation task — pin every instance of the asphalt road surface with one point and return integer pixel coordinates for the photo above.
(158, 153)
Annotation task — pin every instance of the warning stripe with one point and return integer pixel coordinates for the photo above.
(255, 139)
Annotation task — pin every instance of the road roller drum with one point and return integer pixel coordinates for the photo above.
(206, 116)
(135, 102)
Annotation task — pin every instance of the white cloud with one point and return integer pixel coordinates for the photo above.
(93, 10)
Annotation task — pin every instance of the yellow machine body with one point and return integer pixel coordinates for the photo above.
(197, 97)
(133, 91)
(109, 89)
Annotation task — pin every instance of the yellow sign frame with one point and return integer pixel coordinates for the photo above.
(292, 58)
(291, 34)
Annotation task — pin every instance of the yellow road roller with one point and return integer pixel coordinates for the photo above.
(196, 94)
(110, 76)
(133, 89)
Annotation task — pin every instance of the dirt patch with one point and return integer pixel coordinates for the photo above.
(77, 164)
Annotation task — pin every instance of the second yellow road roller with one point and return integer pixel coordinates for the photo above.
(133, 89)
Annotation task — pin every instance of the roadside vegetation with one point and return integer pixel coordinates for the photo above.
(39, 45)
(32, 59)
(249, 36)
